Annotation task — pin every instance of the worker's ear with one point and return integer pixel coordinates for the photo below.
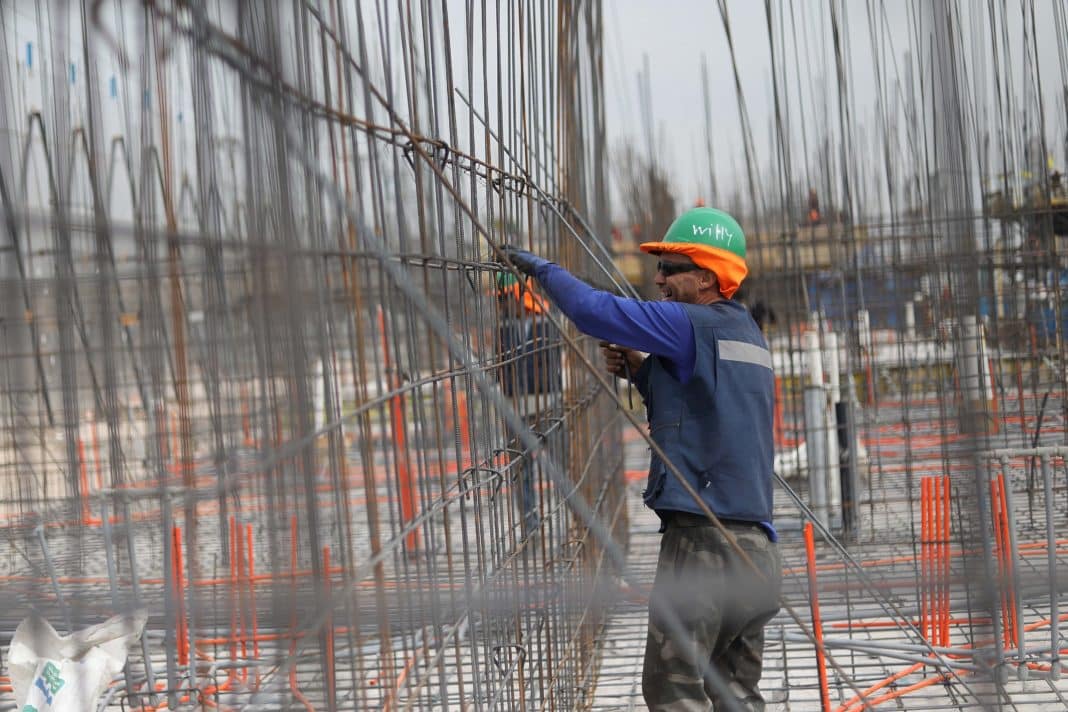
(708, 279)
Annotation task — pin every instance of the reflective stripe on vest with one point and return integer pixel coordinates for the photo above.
(746, 353)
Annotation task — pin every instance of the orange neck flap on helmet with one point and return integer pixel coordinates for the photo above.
(533, 303)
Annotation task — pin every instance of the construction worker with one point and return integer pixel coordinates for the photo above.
(709, 390)
(762, 314)
(813, 207)
(529, 371)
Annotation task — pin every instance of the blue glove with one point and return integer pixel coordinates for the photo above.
(525, 262)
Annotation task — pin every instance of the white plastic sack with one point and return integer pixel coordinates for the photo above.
(68, 673)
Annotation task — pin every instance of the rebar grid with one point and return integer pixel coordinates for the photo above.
(910, 266)
(222, 404)
(227, 271)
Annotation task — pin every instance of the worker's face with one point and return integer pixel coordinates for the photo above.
(686, 286)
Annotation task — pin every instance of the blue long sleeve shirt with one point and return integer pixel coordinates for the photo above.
(659, 328)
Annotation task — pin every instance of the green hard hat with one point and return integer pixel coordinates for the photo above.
(505, 280)
(709, 227)
(713, 240)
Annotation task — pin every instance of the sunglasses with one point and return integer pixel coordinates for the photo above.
(672, 268)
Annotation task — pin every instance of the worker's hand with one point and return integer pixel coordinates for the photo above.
(618, 358)
(525, 262)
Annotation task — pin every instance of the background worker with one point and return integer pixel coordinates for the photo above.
(708, 389)
(762, 314)
(529, 372)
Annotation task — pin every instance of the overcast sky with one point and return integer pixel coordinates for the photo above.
(674, 34)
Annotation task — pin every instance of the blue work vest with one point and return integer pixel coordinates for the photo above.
(717, 427)
(531, 358)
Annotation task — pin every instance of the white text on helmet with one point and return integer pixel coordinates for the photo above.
(717, 232)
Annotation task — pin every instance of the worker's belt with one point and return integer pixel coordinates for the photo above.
(687, 519)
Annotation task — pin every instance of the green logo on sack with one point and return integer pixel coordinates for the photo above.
(49, 683)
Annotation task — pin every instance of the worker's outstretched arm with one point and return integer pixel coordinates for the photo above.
(660, 328)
